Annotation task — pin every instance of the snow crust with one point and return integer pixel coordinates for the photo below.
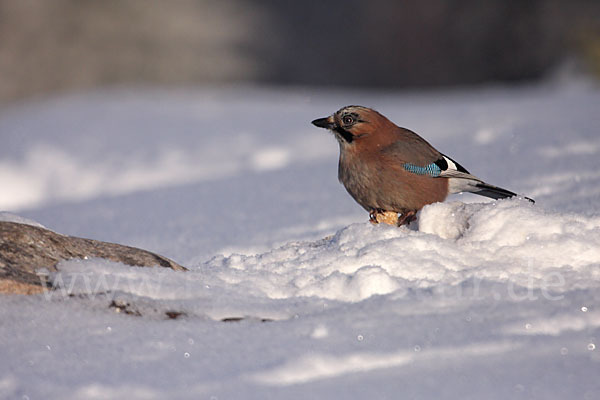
(291, 293)
(10, 217)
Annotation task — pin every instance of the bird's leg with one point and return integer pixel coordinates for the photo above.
(406, 217)
(373, 215)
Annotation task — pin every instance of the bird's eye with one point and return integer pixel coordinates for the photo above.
(348, 120)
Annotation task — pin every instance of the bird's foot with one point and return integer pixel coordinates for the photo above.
(373, 216)
(406, 217)
(381, 216)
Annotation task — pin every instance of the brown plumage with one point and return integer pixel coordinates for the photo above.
(389, 169)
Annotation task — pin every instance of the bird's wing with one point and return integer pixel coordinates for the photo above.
(460, 180)
(452, 169)
(410, 148)
(416, 155)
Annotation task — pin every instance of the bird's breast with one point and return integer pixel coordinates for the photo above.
(376, 183)
(360, 178)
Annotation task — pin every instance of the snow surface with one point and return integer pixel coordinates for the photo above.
(478, 299)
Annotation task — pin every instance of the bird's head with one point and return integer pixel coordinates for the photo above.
(351, 123)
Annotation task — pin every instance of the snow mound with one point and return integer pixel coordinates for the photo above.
(505, 241)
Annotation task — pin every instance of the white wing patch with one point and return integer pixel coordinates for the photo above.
(459, 181)
(450, 163)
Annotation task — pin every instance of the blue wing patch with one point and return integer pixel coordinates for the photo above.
(432, 169)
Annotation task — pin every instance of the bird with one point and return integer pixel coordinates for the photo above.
(392, 172)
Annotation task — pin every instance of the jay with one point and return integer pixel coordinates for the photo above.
(391, 171)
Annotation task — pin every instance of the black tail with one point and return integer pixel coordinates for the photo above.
(495, 192)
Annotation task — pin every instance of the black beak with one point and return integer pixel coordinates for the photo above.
(326, 123)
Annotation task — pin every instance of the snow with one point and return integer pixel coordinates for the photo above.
(478, 299)
(10, 217)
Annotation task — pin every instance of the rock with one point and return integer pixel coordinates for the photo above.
(25, 249)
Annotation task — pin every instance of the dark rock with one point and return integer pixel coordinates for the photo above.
(124, 307)
(239, 319)
(175, 314)
(25, 249)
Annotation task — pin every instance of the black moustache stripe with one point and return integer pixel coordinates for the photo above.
(347, 136)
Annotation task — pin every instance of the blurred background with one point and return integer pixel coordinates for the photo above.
(132, 121)
(73, 45)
